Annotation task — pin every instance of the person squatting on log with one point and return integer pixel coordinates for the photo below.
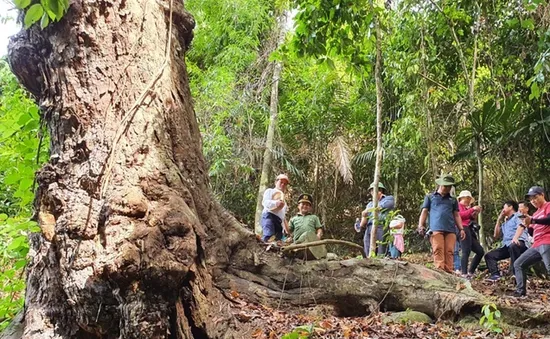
(274, 213)
(468, 215)
(506, 226)
(397, 229)
(541, 239)
(386, 203)
(444, 218)
(305, 224)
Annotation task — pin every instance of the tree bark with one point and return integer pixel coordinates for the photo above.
(378, 163)
(123, 203)
(267, 162)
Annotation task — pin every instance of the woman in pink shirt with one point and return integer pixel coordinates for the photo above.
(470, 242)
(541, 240)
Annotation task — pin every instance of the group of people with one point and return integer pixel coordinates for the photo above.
(449, 216)
(302, 227)
(452, 228)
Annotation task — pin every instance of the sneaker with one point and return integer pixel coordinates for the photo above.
(494, 277)
(458, 272)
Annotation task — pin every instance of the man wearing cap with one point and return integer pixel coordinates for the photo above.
(274, 212)
(541, 239)
(507, 224)
(444, 218)
(386, 203)
(304, 224)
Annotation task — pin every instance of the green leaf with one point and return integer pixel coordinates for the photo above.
(21, 4)
(528, 24)
(45, 21)
(34, 13)
(535, 91)
(54, 9)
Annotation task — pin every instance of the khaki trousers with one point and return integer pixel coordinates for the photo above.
(443, 246)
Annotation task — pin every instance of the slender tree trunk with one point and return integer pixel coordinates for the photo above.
(267, 162)
(480, 172)
(396, 186)
(378, 164)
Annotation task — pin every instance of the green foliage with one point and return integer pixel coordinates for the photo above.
(491, 317)
(43, 11)
(300, 332)
(19, 129)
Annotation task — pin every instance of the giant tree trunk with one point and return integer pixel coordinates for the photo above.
(132, 243)
(123, 203)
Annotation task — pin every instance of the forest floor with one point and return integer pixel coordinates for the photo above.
(264, 322)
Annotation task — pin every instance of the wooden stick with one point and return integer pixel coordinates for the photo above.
(322, 242)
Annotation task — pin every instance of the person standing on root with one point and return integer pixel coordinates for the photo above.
(274, 213)
(541, 239)
(507, 224)
(468, 215)
(444, 218)
(386, 203)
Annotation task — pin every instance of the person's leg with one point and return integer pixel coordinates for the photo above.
(268, 229)
(380, 241)
(366, 241)
(450, 242)
(515, 251)
(544, 251)
(394, 252)
(466, 249)
(492, 258)
(525, 260)
(456, 259)
(438, 246)
(478, 250)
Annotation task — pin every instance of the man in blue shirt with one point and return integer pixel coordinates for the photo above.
(444, 219)
(386, 203)
(507, 225)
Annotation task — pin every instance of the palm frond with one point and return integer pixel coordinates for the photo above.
(364, 158)
(340, 153)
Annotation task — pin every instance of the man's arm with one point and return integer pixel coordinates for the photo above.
(319, 228)
(269, 203)
(519, 231)
(364, 217)
(541, 221)
(422, 220)
(497, 231)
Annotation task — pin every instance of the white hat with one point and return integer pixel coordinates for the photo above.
(465, 194)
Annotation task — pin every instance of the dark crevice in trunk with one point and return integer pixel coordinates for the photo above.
(189, 306)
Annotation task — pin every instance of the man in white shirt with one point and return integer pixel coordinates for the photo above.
(274, 212)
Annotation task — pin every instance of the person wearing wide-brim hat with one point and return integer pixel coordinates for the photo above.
(444, 218)
(540, 250)
(274, 213)
(386, 203)
(468, 215)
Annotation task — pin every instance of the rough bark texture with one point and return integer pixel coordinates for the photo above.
(132, 244)
(123, 202)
